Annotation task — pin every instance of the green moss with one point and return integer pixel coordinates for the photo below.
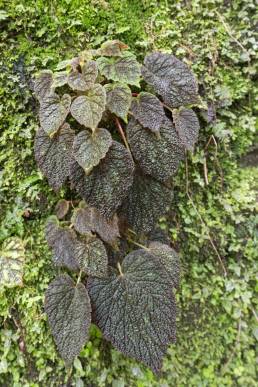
(216, 324)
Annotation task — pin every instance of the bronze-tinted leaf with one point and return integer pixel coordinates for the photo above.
(68, 308)
(135, 308)
(119, 99)
(107, 185)
(112, 48)
(87, 109)
(187, 126)
(43, 83)
(62, 208)
(90, 148)
(90, 73)
(158, 157)
(60, 79)
(54, 155)
(53, 112)
(170, 78)
(148, 110)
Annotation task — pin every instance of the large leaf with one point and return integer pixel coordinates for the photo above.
(90, 73)
(112, 48)
(146, 202)
(136, 309)
(68, 308)
(148, 110)
(86, 219)
(187, 126)
(87, 254)
(168, 258)
(123, 69)
(90, 148)
(43, 83)
(158, 157)
(170, 78)
(88, 109)
(62, 240)
(12, 256)
(54, 155)
(108, 183)
(76, 81)
(119, 99)
(53, 112)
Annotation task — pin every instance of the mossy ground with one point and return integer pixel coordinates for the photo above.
(213, 216)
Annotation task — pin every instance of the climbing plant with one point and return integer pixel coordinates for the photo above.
(117, 131)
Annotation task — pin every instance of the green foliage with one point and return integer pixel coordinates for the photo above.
(216, 323)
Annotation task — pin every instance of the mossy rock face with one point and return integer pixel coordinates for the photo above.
(212, 309)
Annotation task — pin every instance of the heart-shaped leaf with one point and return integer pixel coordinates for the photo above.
(108, 183)
(119, 99)
(187, 126)
(170, 78)
(54, 155)
(158, 157)
(86, 219)
(68, 308)
(60, 79)
(90, 73)
(62, 208)
(147, 201)
(135, 308)
(43, 84)
(123, 69)
(12, 256)
(112, 48)
(88, 109)
(53, 112)
(90, 148)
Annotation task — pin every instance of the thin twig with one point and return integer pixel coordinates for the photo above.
(137, 244)
(120, 129)
(205, 171)
(202, 221)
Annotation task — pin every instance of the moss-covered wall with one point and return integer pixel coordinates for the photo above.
(213, 215)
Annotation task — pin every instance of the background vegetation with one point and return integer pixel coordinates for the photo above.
(213, 221)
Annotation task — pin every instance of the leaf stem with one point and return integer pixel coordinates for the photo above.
(120, 269)
(137, 244)
(79, 277)
(121, 131)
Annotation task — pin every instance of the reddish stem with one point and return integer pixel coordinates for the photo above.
(120, 129)
(135, 94)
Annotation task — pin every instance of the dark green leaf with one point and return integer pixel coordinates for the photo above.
(147, 201)
(43, 83)
(86, 219)
(158, 157)
(148, 110)
(136, 309)
(92, 257)
(123, 69)
(62, 208)
(168, 258)
(12, 257)
(88, 109)
(90, 148)
(119, 99)
(112, 48)
(53, 112)
(108, 183)
(54, 155)
(187, 126)
(170, 78)
(68, 308)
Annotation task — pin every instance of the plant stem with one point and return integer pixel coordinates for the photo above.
(120, 129)
(79, 277)
(120, 269)
(137, 244)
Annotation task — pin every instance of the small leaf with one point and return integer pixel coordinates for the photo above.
(169, 259)
(86, 219)
(43, 83)
(158, 157)
(136, 309)
(12, 256)
(90, 73)
(123, 69)
(92, 257)
(53, 112)
(62, 241)
(76, 81)
(118, 99)
(146, 202)
(60, 79)
(62, 208)
(54, 155)
(187, 126)
(88, 109)
(90, 148)
(170, 78)
(108, 183)
(69, 63)
(112, 48)
(68, 308)
(148, 110)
